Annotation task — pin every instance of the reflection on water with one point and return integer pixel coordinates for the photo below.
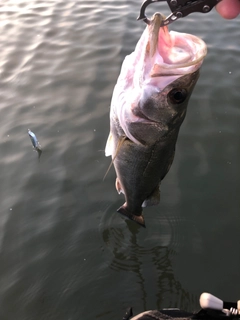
(132, 252)
(65, 253)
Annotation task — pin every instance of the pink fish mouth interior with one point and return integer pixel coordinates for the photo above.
(176, 51)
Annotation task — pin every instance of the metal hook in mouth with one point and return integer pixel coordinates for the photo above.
(142, 15)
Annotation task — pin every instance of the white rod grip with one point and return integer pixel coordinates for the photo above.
(238, 305)
(208, 301)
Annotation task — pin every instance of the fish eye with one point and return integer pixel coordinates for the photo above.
(178, 95)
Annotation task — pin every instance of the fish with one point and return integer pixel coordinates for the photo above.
(35, 143)
(148, 106)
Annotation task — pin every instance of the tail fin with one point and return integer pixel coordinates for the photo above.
(138, 219)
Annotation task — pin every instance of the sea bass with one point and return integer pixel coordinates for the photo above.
(148, 106)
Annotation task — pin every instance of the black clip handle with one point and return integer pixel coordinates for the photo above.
(179, 8)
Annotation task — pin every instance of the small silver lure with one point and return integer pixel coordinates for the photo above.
(35, 143)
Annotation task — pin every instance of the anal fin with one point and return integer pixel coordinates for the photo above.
(153, 199)
(118, 186)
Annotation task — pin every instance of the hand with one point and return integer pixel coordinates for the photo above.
(228, 9)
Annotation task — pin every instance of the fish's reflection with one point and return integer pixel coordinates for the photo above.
(150, 256)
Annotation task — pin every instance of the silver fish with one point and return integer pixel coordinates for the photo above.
(148, 106)
(35, 143)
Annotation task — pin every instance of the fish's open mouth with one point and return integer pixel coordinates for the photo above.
(175, 53)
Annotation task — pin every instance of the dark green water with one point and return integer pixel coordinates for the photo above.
(65, 253)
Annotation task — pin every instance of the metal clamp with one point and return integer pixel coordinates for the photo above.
(179, 8)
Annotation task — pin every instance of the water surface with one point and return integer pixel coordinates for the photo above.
(65, 253)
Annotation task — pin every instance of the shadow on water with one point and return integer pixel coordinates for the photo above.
(134, 250)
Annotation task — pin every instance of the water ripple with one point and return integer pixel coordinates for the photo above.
(61, 240)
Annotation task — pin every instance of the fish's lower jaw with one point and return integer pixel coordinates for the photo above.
(138, 219)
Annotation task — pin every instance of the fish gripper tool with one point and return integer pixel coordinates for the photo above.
(179, 8)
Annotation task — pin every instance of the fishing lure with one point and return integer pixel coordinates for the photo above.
(35, 143)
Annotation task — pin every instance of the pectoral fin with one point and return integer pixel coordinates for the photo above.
(109, 150)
